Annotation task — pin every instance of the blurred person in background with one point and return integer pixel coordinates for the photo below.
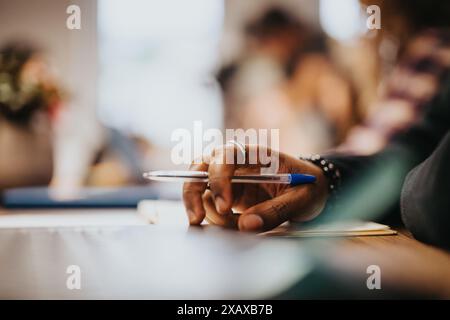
(412, 170)
(29, 103)
(285, 80)
(416, 41)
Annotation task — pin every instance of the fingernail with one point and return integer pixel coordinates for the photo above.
(221, 206)
(191, 216)
(252, 222)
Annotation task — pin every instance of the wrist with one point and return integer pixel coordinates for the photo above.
(328, 170)
(316, 193)
(328, 181)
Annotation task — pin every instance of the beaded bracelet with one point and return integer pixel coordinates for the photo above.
(329, 170)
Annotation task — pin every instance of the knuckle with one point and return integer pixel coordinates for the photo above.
(206, 196)
(195, 164)
(188, 194)
(219, 185)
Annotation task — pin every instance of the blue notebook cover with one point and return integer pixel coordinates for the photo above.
(91, 197)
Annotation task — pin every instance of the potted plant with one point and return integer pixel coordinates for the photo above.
(29, 100)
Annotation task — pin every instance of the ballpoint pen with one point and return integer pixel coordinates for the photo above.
(293, 179)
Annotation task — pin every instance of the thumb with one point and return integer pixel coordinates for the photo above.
(271, 213)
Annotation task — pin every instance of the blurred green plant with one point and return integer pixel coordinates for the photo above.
(25, 86)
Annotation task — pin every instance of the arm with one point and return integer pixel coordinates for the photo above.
(406, 151)
(425, 201)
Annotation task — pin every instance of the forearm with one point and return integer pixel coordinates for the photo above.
(362, 175)
(425, 200)
(370, 186)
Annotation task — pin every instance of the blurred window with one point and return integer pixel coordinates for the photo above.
(343, 20)
(156, 63)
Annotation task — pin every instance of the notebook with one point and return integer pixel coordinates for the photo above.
(87, 197)
(353, 228)
(173, 213)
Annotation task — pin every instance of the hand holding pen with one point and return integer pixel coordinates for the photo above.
(215, 190)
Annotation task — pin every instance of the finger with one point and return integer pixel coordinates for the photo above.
(220, 172)
(213, 217)
(223, 164)
(248, 195)
(271, 213)
(192, 197)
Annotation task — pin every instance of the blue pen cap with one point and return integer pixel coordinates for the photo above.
(298, 178)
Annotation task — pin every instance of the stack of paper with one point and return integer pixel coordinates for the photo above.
(341, 229)
(173, 213)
